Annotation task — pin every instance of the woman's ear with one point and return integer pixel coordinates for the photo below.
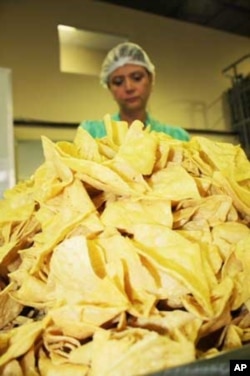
(151, 78)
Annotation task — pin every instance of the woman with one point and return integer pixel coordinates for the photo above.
(129, 75)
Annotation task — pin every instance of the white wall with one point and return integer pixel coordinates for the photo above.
(188, 58)
(7, 163)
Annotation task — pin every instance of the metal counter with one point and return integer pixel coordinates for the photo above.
(216, 366)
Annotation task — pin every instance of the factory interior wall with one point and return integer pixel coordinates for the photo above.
(189, 59)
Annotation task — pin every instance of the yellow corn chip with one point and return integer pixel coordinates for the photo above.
(125, 255)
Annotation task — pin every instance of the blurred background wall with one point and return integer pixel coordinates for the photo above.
(189, 60)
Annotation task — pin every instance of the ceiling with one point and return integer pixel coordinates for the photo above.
(232, 16)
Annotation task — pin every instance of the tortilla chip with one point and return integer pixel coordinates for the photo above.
(227, 235)
(167, 322)
(11, 368)
(125, 255)
(28, 363)
(220, 155)
(237, 266)
(47, 368)
(72, 278)
(134, 178)
(126, 213)
(116, 130)
(179, 257)
(173, 183)
(125, 352)
(17, 345)
(139, 149)
(233, 338)
(86, 146)
(9, 308)
(81, 321)
(134, 278)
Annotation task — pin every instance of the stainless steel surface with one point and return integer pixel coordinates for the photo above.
(216, 366)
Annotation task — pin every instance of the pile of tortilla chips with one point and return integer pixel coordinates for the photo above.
(125, 255)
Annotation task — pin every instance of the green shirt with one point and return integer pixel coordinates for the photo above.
(97, 128)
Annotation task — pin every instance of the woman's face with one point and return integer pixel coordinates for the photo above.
(130, 86)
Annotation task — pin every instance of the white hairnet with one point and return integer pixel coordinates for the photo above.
(122, 54)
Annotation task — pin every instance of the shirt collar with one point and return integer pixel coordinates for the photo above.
(116, 117)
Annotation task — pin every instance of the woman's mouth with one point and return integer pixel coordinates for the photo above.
(131, 100)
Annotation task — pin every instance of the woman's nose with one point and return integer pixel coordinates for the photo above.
(129, 84)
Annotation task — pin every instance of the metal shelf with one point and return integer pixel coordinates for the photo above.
(238, 97)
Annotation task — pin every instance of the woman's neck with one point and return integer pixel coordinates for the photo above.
(130, 117)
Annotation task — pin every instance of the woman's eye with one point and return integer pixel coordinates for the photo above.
(117, 81)
(137, 76)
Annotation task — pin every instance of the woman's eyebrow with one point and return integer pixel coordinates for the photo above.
(137, 71)
(119, 76)
(129, 73)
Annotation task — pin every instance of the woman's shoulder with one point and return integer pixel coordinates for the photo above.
(95, 127)
(172, 130)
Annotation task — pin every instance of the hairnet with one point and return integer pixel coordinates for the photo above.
(122, 54)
